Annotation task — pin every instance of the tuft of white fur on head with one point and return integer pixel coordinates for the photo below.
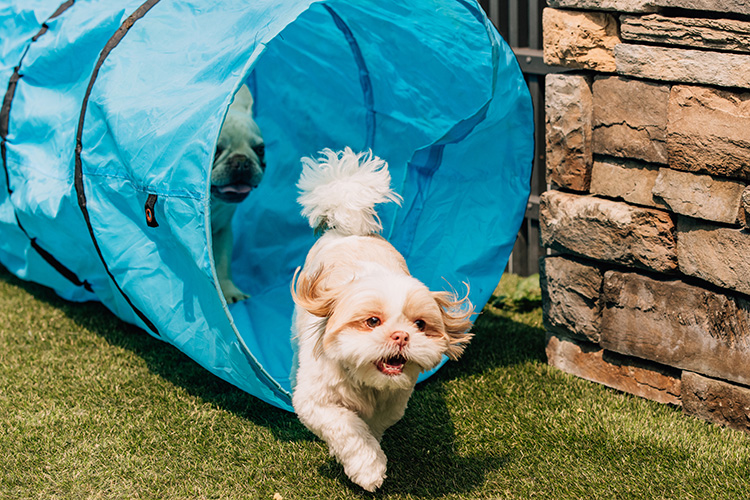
(339, 190)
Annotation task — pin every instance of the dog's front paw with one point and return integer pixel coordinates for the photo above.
(232, 294)
(367, 469)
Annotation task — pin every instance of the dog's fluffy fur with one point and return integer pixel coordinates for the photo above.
(239, 164)
(365, 327)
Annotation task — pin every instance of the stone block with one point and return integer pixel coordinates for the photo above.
(570, 297)
(629, 180)
(673, 64)
(716, 401)
(634, 376)
(745, 213)
(581, 40)
(607, 230)
(704, 33)
(676, 324)
(630, 118)
(700, 196)
(709, 131)
(615, 5)
(568, 111)
(714, 253)
(722, 6)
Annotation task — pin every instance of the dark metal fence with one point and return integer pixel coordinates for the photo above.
(520, 24)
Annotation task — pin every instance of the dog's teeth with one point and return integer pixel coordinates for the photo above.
(391, 366)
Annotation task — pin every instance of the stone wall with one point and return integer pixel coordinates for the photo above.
(647, 285)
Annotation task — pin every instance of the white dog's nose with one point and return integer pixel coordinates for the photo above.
(400, 338)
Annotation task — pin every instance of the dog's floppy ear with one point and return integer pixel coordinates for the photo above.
(243, 100)
(309, 292)
(457, 320)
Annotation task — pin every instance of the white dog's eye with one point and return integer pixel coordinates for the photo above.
(420, 324)
(219, 150)
(372, 322)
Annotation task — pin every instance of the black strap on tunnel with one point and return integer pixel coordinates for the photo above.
(80, 191)
(4, 128)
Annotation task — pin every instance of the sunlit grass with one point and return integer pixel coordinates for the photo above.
(91, 407)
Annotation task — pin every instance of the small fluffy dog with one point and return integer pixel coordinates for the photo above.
(239, 164)
(365, 328)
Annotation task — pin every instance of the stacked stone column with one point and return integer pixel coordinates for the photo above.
(647, 288)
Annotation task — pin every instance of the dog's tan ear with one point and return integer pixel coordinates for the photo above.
(243, 99)
(309, 292)
(457, 320)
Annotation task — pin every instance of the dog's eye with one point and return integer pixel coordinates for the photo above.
(372, 322)
(420, 324)
(219, 150)
(260, 150)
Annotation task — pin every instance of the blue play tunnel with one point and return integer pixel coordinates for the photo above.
(112, 109)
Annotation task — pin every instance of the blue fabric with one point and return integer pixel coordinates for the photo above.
(429, 85)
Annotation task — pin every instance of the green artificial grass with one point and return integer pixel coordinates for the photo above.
(91, 407)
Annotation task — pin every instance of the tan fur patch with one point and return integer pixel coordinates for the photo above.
(421, 305)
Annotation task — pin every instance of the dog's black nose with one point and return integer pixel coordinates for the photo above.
(243, 169)
(240, 162)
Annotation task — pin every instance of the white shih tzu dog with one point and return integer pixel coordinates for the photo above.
(365, 327)
(239, 164)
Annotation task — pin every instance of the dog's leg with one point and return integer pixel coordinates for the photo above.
(222, 243)
(349, 440)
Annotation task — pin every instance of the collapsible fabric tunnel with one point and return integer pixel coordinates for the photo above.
(109, 127)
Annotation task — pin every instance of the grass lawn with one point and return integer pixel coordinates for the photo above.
(91, 407)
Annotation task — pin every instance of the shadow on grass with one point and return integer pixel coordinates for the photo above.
(421, 448)
(168, 362)
(423, 460)
(498, 341)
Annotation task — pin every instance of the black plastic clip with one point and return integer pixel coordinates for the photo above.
(150, 212)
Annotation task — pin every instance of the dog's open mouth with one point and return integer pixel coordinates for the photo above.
(391, 366)
(232, 193)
